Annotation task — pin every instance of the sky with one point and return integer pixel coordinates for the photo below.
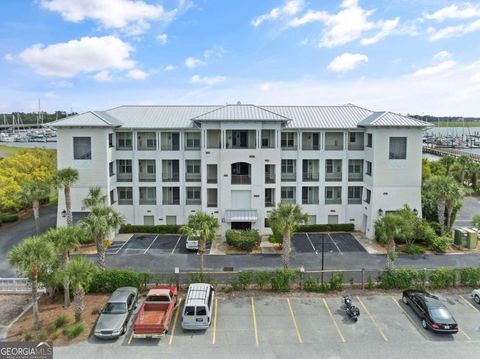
(417, 57)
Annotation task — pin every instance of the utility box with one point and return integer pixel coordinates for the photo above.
(465, 238)
(472, 239)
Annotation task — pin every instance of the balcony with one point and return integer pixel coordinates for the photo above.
(310, 176)
(269, 203)
(125, 201)
(212, 179)
(289, 177)
(193, 177)
(269, 177)
(146, 141)
(193, 201)
(333, 177)
(238, 139)
(171, 177)
(124, 177)
(333, 201)
(146, 177)
(355, 177)
(355, 147)
(354, 201)
(288, 200)
(241, 179)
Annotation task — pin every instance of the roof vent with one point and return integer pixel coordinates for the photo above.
(239, 103)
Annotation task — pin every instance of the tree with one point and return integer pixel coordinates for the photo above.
(98, 225)
(31, 194)
(390, 225)
(442, 187)
(65, 178)
(453, 199)
(33, 258)
(79, 273)
(286, 217)
(65, 240)
(463, 163)
(447, 161)
(95, 198)
(476, 221)
(203, 226)
(473, 171)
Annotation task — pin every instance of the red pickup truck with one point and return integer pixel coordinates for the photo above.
(153, 319)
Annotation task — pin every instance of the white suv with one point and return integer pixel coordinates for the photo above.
(192, 243)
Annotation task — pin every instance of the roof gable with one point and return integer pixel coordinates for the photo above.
(385, 119)
(242, 113)
(86, 119)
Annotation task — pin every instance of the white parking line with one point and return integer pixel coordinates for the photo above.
(335, 244)
(176, 244)
(308, 237)
(123, 245)
(146, 250)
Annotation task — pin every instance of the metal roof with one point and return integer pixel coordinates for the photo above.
(241, 215)
(295, 117)
(382, 119)
(242, 113)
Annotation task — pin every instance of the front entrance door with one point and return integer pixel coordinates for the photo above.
(332, 219)
(148, 220)
(243, 226)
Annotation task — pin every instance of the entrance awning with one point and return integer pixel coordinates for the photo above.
(241, 215)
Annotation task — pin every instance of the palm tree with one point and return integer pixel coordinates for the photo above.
(463, 162)
(443, 187)
(447, 161)
(95, 198)
(453, 199)
(98, 225)
(203, 226)
(33, 258)
(65, 178)
(31, 194)
(286, 217)
(473, 171)
(79, 273)
(65, 239)
(390, 225)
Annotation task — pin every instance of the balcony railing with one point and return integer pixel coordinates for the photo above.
(353, 177)
(147, 178)
(147, 201)
(124, 177)
(213, 204)
(286, 177)
(310, 147)
(288, 200)
(289, 148)
(171, 201)
(309, 200)
(310, 176)
(174, 177)
(193, 177)
(333, 147)
(333, 201)
(147, 148)
(125, 201)
(194, 201)
(269, 203)
(212, 179)
(354, 201)
(241, 179)
(332, 177)
(355, 147)
(170, 147)
(269, 177)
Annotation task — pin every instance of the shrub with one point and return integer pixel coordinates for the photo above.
(311, 285)
(401, 278)
(61, 321)
(74, 330)
(425, 233)
(27, 337)
(336, 282)
(42, 335)
(442, 278)
(342, 227)
(245, 278)
(282, 278)
(244, 240)
(197, 278)
(413, 249)
(370, 283)
(96, 311)
(262, 279)
(8, 217)
(441, 244)
(160, 229)
(470, 277)
(107, 243)
(108, 280)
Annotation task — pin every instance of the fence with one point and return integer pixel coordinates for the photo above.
(17, 286)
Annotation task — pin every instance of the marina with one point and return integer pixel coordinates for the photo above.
(15, 131)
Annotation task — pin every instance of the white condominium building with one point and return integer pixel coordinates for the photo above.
(160, 164)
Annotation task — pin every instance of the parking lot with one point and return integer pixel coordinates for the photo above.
(162, 244)
(333, 243)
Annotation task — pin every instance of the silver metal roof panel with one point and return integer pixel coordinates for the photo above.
(242, 113)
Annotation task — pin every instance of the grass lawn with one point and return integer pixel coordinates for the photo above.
(457, 124)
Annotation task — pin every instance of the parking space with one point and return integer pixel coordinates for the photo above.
(466, 312)
(331, 242)
(138, 244)
(162, 244)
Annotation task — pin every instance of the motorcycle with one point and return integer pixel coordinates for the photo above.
(352, 311)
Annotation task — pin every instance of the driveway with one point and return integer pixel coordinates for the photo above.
(471, 207)
(13, 233)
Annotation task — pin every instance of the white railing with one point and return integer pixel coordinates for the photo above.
(17, 285)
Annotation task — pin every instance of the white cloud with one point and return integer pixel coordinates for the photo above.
(137, 74)
(442, 55)
(216, 51)
(192, 62)
(454, 11)
(103, 76)
(208, 81)
(9, 57)
(453, 31)
(126, 15)
(62, 83)
(169, 68)
(290, 8)
(347, 62)
(265, 87)
(89, 54)
(162, 39)
(349, 24)
(476, 77)
(435, 69)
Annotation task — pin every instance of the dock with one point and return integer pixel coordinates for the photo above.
(450, 152)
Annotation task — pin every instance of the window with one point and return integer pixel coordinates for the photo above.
(355, 195)
(146, 141)
(334, 141)
(213, 139)
(170, 170)
(269, 197)
(193, 195)
(212, 174)
(192, 141)
(355, 141)
(311, 219)
(111, 170)
(368, 195)
(310, 141)
(333, 170)
(310, 170)
(112, 197)
(148, 195)
(333, 195)
(289, 170)
(309, 195)
(288, 141)
(171, 220)
(124, 170)
(288, 195)
(211, 197)
(124, 140)
(110, 140)
(369, 140)
(189, 311)
(268, 139)
(171, 195)
(146, 171)
(170, 141)
(355, 170)
(398, 148)
(193, 171)
(201, 311)
(125, 195)
(82, 148)
(369, 168)
(269, 173)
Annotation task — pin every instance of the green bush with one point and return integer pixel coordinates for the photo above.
(8, 217)
(74, 330)
(246, 278)
(442, 278)
(197, 277)
(470, 277)
(311, 285)
(160, 229)
(401, 278)
(108, 280)
(244, 240)
(441, 244)
(261, 279)
(61, 321)
(425, 233)
(413, 249)
(342, 227)
(336, 282)
(282, 278)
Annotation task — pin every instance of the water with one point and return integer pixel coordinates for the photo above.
(48, 145)
(456, 132)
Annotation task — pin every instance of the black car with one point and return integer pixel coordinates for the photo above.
(431, 311)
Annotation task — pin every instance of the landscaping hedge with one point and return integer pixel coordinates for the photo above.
(342, 227)
(106, 281)
(244, 240)
(8, 217)
(160, 229)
